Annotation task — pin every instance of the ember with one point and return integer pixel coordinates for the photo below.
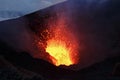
(59, 49)
(62, 45)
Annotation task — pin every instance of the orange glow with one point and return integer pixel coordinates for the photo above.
(60, 52)
(62, 45)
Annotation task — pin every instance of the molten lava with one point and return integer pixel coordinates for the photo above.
(62, 45)
(59, 51)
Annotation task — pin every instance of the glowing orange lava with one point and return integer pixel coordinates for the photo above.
(61, 47)
(57, 49)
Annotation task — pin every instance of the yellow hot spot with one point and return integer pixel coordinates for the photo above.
(58, 50)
